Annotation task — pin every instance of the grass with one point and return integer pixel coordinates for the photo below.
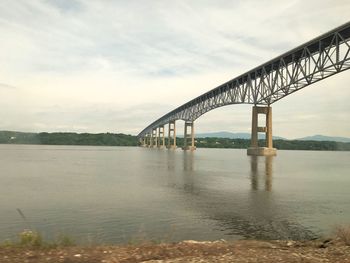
(33, 239)
(29, 238)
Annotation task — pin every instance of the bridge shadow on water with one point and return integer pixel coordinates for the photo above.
(248, 211)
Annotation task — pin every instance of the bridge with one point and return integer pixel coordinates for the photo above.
(315, 60)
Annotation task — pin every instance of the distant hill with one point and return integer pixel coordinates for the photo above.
(231, 135)
(324, 138)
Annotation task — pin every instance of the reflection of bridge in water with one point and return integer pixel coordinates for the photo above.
(313, 61)
(257, 174)
(255, 213)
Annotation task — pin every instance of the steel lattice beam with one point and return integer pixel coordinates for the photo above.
(313, 61)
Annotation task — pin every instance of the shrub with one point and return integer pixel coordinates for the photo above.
(65, 241)
(30, 238)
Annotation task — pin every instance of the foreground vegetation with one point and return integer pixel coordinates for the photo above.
(31, 248)
(119, 139)
(34, 240)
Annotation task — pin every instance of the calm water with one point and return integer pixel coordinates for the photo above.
(122, 194)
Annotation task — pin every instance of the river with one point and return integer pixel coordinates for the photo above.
(110, 195)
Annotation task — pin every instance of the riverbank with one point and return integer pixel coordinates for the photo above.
(326, 250)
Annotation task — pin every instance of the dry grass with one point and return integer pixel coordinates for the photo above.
(186, 251)
(343, 233)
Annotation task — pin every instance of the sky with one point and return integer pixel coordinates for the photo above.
(116, 66)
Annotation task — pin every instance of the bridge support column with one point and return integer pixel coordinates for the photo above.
(161, 141)
(156, 132)
(157, 138)
(154, 138)
(171, 135)
(254, 149)
(149, 140)
(143, 141)
(189, 136)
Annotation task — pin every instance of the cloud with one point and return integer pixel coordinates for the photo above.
(7, 86)
(127, 54)
(92, 118)
(66, 5)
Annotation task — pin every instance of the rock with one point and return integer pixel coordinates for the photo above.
(30, 255)
(195, 242)
(290, 243)
(326, 243)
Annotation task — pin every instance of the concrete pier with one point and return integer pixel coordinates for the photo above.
(143, 141)
(171, 135)
(147, 140)
(154, 138)
(189, 136)
(161, 140)
(254, 149)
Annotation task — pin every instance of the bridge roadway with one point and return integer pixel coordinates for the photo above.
(317, 59)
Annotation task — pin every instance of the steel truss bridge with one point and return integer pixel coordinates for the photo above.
(304, 65)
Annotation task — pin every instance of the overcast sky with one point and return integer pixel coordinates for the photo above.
(116, 66)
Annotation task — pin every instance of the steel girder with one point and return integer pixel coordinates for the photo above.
(313, 61)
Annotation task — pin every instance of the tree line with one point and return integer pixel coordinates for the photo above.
(68, 138)
(120, 139)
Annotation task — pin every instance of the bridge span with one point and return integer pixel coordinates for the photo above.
(315, 60)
